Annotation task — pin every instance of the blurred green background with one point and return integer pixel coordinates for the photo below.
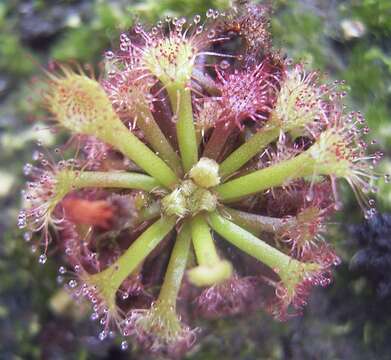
(349, 39)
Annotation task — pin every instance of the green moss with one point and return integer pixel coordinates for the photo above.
(298, 33)
(374, 13)
(14, 59)
(87, 41)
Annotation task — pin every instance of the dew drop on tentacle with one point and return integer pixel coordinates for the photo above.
(27, 236)
(109, 55)
(42, 259)
(72, 284)
(224, 64)
(27, 169)
(94, 316)
(199, 30)
(22, 223)
(124, 345)
(211, 34)
(210, 13)
(102, 335)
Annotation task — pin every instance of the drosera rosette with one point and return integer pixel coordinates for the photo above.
(50, 183)
(304, 232)
(297, 101)
(236, 145)
(301, 100)
(341, 149)
(245, 94)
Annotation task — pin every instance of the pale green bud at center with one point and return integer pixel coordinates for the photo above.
(205, 173)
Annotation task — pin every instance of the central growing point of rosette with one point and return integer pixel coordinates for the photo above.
(193, 194)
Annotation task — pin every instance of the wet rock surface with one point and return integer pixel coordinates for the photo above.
(373, 260)
(39, 25)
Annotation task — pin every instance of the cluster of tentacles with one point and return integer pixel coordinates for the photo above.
(206, 167)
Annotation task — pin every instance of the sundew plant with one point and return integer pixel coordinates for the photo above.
(205, 169)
